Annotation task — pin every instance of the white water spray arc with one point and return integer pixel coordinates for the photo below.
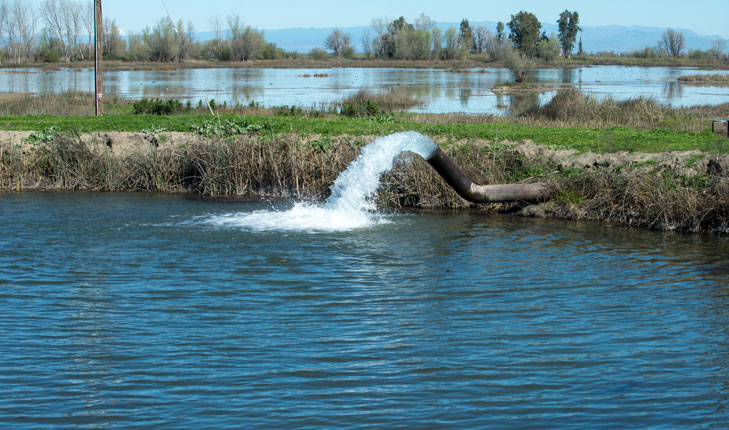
(351, 205)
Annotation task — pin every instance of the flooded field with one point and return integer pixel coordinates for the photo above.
(440, 91)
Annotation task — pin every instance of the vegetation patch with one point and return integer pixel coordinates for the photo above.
(42, 136)
(217, 127)
(159, 107)
(715, 79)
(370, 104)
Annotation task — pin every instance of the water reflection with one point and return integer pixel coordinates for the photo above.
(440, 91)
(568, 75)
(673, 90)
(521, 102)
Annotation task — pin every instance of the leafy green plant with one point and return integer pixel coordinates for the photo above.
(322, 144)
(43, 136)
(152, 130)
(215, 127)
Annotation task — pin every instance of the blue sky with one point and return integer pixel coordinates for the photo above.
(709, 17)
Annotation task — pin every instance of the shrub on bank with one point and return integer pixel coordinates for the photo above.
(158, 107)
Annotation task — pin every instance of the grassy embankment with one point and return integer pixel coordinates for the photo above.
(578, 144)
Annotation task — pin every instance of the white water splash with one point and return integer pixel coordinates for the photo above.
(350, 205)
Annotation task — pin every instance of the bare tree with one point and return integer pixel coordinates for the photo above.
(65, 21)
(481, 37)
(52, 12)
(672, 42)
(113, 45)
(87, 19)
(437, 40)
(379, 43)
(3, 22)
(337, 41)
(73, 15)
(218, 48)
(452, 46)
(187, 39)
(21, 30)
(718, 48)
(366, 42)
(424, 23)
(236, 39)
(246, 43)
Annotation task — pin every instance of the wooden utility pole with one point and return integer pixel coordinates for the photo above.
(98, 84)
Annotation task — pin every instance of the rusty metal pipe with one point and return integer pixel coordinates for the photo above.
(475, 193)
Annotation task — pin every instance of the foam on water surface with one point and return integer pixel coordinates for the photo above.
(350, 204)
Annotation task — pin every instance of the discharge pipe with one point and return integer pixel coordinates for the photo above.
(475, 193)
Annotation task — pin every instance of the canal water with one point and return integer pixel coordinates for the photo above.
(150, 311)
(439, 91)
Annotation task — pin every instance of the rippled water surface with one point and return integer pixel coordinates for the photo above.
(138, 311)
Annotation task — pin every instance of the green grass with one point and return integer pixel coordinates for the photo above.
(582, 139)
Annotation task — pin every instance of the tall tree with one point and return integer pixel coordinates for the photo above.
(112, 43)
(21, 30)
(379, 42)
(53, 17)
(452, 49)
(437, 36)
(465, 36)
(568, 23)
(367, 42)
(398, 30)
(718, 47)
(338, 41)
(3, 22)
(481, 36)
(423, 36)
(672, 42)
(500, 31)
(424, 23)
(525, 32)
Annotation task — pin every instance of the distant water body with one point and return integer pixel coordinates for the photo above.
(438, 90)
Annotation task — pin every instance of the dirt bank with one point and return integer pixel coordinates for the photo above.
(685, 191)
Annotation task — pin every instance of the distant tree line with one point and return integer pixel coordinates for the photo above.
(423, 40)
(60, 31)
(672, 44)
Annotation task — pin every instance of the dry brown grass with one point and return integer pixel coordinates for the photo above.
(571, 105)
(653, 196)
(658, 200)
(63, 104)
(571, 108)
(391, 100)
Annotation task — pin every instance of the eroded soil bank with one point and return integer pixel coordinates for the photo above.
(684, 191)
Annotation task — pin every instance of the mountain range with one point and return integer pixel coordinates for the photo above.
(616, 38)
